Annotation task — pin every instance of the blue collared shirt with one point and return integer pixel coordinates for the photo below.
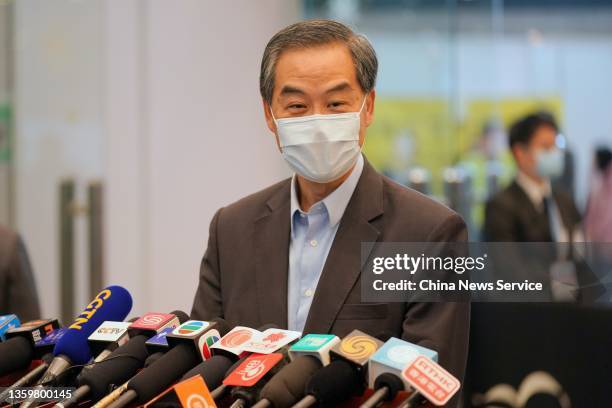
(312, 235)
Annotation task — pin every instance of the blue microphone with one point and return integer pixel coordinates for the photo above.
(112, 303)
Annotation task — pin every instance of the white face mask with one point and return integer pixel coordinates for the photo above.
(550, 163)
(320, 148)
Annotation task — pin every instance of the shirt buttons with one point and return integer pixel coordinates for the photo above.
(313, 242)
(309, 292)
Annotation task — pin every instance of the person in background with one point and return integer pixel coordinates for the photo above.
(529, 209)
(17, 288)
(598, 218)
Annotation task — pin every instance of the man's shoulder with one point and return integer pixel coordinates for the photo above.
(251, 206)
(416, 214)
(507, 198)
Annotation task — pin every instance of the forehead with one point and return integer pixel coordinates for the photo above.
(544, 135)
(315, 66)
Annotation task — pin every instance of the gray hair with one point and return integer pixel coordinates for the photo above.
(313, 33)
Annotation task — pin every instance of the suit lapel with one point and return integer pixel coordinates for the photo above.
(344, 261)
(272, 233)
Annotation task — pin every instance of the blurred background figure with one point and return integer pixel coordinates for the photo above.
(598, 217)
(17, 289)
(530, 209)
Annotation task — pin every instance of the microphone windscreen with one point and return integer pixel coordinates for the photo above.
(212, 370)
(287, 386)
(116, 369)
(334, 383)
(113, 303)
(153, 358)
(182, 316)
(165, 371)
(15, 354)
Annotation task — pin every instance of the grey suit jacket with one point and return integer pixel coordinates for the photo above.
(243, 276)
(17, 288)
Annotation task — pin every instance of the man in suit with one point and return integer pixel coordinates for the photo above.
(529, 209)
(290, 254)
(17, 289)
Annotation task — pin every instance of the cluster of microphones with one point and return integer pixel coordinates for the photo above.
(169, 360)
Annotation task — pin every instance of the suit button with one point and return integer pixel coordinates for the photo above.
(309, 292)
(313, 243)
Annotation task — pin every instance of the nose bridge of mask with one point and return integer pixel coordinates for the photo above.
(318, 128)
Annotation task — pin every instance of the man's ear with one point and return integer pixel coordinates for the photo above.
(369, 107)
(269, 119)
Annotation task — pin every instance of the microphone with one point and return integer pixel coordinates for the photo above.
(332, 385)
(106, 338)
(430, 380)
(250, 376)
(385, 369)
(184, 354)
(344, 377)
(8, 322)
(17, 352)
(118, 367)
(288, 385)
(112, 303)
(43, 351)
(308, 355)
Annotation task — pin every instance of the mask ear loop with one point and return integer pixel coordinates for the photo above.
(363, 103)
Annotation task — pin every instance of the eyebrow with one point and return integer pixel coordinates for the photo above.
(343, 86)
(288, 89)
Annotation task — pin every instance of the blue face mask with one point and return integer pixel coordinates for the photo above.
(550, 163)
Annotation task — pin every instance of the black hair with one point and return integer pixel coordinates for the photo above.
(522, 131)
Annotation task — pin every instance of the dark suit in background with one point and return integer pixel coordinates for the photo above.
(244, 272)
(17, 288)
(510, 216)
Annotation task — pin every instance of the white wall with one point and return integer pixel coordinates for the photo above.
(159, 99)
(195, 122)
(59, 132)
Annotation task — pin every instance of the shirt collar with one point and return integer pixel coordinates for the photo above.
(535, 191)
(335, 204)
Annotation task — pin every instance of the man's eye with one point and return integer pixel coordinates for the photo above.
(296, 106)
(336, 104)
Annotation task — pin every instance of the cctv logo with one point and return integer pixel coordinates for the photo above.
(90, 310)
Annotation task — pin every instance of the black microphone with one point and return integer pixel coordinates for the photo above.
(332, 385)
(349, 365)
(17, 352)
(288, 385)
(183, 355)
(254, 372)
(42, 351)
(118, 367)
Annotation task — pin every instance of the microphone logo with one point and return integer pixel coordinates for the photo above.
(358, 347)
(236, 338)
(208, 339)
(190, 328)
(197, 401)
(90, 310)
(312, 342)
(252, 369)
(152, 319)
